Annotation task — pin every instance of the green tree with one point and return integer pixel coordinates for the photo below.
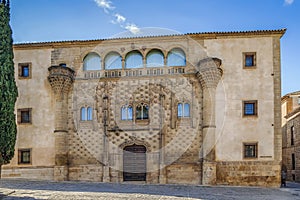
(8, 88)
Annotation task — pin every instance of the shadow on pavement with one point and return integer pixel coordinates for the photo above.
(126, 188)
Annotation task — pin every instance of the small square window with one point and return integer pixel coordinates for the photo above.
(249, 60)
(250, 108)
(24, 116)
(250, 150)
(25, 70)
(24, 156)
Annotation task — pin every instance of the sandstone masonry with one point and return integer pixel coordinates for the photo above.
(182, 109)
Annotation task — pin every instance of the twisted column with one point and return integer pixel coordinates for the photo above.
(61, 80)
(209, 75)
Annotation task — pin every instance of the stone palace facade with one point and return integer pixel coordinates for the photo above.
(201, 108)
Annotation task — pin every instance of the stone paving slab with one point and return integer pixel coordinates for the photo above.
(31, 190)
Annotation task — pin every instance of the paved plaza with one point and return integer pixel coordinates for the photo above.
(30, 190)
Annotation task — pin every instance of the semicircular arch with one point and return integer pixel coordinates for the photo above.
(113, 60)
(134, 59)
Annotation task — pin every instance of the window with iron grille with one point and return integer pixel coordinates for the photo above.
(250, 108)
(249, 60)
(24, 156)
(24, 70)
(142, 112)
(250, 150)
(25, 116)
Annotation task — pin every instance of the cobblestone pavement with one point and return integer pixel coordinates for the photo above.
(30, 190)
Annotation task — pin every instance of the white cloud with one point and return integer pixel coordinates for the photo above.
(288, 2)
(120, 18)
(133, 28)
(106, 5)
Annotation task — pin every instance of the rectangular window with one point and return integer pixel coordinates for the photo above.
(183, 110)
(250, 150)
(250, 108)
(293, 162)
(127, 113)
(24, 156)
(180, 110)
(292, 135)
(249, 60)
(24, 116)
(142, 112)
(24, 70)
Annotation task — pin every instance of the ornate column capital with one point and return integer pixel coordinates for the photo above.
(210, 72)
(61, 79)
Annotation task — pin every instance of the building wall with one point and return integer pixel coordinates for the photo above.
(38, 136)
(181, 139)
(291, 142)
(233, 129)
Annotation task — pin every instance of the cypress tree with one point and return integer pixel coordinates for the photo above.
(8, 88)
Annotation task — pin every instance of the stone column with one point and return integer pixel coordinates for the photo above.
(61, 80)
(162, 179)
(106, 167)
(209, 75)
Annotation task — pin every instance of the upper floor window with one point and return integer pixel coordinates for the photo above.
(89, 113)
(24, 116)
(92, 62)
(183, 110)
(126, 113)
(134, 59)
(250, 108)
(24, 70)
(113, 61)
(142, 112)
(86, 114)
(155, 58)
(176, 57)
(249, 60)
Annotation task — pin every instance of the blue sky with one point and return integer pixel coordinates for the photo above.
(53, 20)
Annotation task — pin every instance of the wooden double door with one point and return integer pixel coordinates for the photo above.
(134, 163)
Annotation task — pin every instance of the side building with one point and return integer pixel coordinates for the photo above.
(291, 135)
(200, 108)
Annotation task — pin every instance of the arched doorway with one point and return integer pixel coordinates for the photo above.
(134, 163)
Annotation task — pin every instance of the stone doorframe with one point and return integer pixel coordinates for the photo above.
(132, 141)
